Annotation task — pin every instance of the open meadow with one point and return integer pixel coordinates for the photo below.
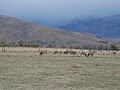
(25, 69)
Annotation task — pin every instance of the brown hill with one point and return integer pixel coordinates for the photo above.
(13, 29)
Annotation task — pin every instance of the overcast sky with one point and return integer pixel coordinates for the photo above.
(54, 11)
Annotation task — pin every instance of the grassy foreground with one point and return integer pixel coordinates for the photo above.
(34, 72)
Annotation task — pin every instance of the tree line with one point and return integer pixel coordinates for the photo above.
(18, 44)
(52, 45)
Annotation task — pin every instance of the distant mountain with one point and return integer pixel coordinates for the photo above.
(13, 29)
(108, 27)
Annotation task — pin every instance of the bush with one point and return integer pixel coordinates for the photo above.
(113, 47)
(21, 43)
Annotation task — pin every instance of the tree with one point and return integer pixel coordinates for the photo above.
(12, 44)
(31, 44)
(21, 43)
(3, 43)
(50, 46)
(114, 47)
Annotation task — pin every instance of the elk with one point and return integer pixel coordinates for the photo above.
(56, 52)
(73, 52)
(114, 53)
(43, 52)
(83, 53)
(91, 53)
(66, 52)
(3, 49)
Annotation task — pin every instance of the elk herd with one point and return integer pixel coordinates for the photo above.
(70, 52)
(86, 53)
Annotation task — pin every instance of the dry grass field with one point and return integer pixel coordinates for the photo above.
(25, 69)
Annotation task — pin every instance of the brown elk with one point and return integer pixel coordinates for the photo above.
(91, 53)
(73, 52)
(3, 49)
(66, 52)
(114, 53)
(42, 52)
(56, 52)
(83, 53)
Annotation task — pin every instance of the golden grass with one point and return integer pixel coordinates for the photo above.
(25, 69)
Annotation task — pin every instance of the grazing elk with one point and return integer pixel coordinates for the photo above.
(56, 52)
(73, 52)
(114, 53)
(3, 49)
(42, 52)
(83, 53)
(66, 52)
(91, 53)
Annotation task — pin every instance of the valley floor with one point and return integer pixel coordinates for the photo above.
(30, 71)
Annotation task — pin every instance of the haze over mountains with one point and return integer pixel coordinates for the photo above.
(13, 29)
(108, 27)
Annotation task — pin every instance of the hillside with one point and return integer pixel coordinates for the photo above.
(108, 27)
(13, 29)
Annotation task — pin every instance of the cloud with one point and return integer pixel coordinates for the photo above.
(58, 9)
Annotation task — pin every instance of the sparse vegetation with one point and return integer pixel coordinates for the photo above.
(52, 45)
(14, 29)
(19, 44)
(114, 47)
(24, 69)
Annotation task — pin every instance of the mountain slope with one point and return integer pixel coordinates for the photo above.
(13, 29)
(108, 27)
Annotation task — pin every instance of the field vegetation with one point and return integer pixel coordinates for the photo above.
(23, 68)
